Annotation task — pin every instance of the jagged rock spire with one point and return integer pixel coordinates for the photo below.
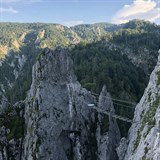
(105, 101)
(59, 122)
(56, 66)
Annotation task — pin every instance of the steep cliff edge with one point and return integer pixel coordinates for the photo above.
(61, 122)
(144, 135)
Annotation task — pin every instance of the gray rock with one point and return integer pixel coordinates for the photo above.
(108, 136)
(60, 123)
(121, 149)
(144, 133)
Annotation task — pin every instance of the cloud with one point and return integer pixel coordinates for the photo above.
(8, 10)
(139, 9)
(24, 1)
(72, 23)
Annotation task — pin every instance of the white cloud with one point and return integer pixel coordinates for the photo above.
(139, 9)
(72, 23)
(8, 10)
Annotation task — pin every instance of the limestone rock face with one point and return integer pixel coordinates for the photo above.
(121, 149)
(61, 122)
(144, 135)
(108, 134)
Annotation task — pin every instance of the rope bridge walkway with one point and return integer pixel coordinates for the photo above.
(119, 102)
(113, 115)
(127, 104)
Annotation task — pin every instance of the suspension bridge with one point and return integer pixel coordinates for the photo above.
(126, 104)
(113, 115)
(122, 103)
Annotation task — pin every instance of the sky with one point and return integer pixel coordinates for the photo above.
(74, 12)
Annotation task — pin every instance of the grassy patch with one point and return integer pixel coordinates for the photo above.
(136, 142)
(148, 119)
(149, 115)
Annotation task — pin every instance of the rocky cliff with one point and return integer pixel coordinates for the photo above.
(144, 140)
(62, 119)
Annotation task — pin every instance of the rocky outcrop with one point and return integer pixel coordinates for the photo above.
(3, 51)
(108, 135)
(22, 37)
(40, 36)
(16, 45)
(144, 140)
(61, 119)
(121, 149)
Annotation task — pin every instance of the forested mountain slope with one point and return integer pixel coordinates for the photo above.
(115, 51)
